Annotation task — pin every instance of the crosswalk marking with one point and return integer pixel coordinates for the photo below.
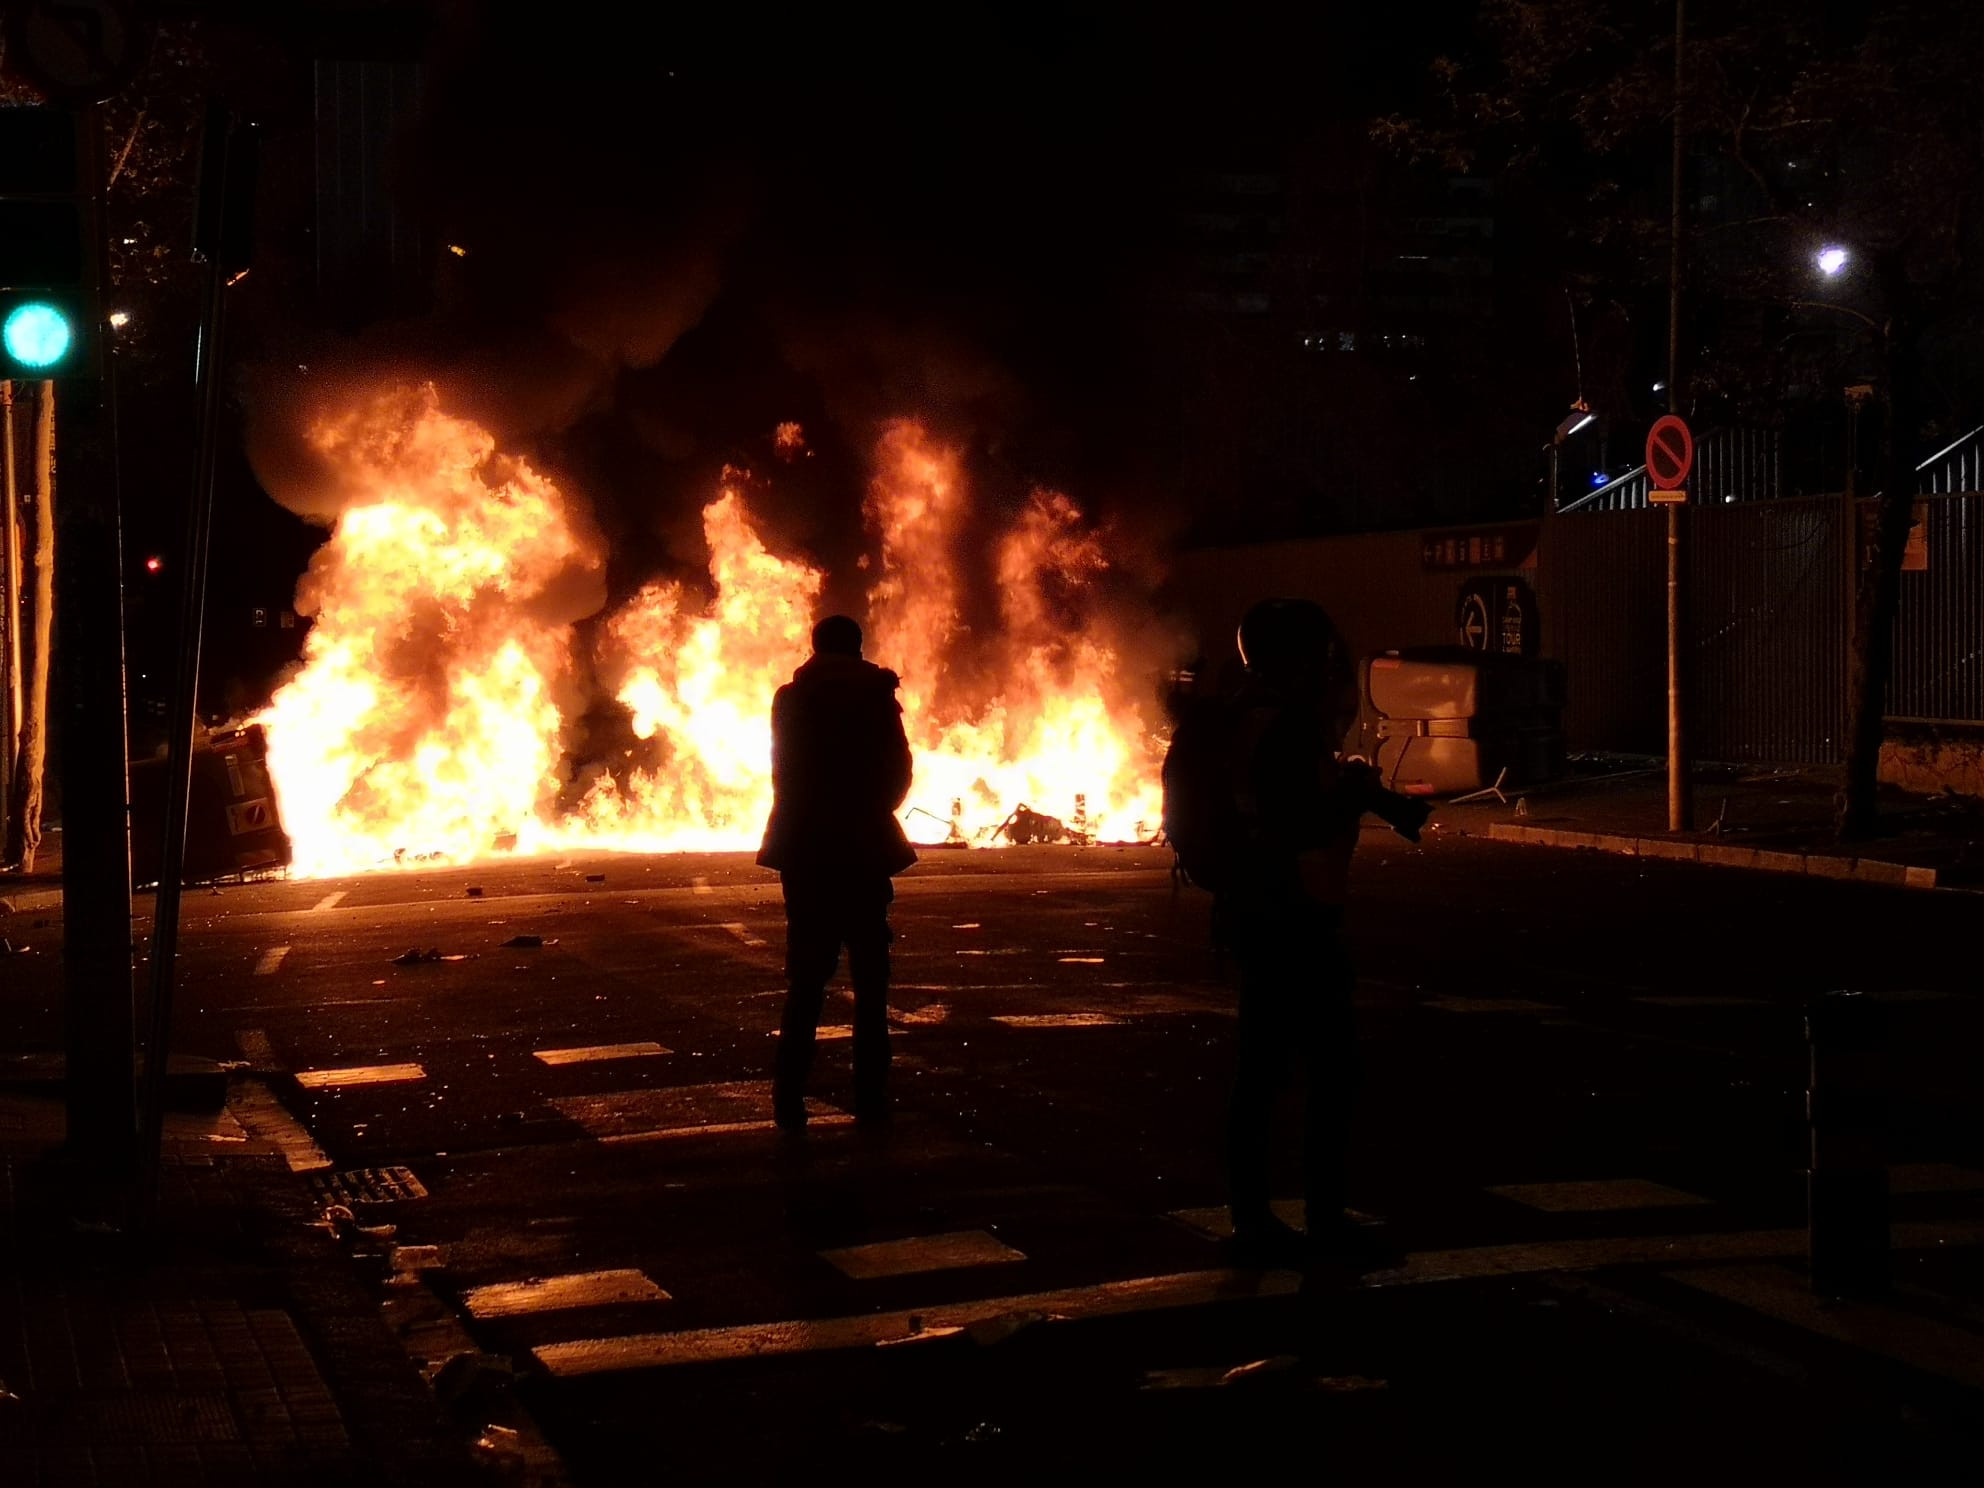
(1055, 1020)
(742, 932)
(1919, 1342)
(700, 886)
(329, 901)
(556, 1293)
(759, 1340)
(719, 1129)
(1489, 1005)
(828, 1031)
(1914, 1178)
(1596, 1195)
(1678, 1001)
(364, 1074)
(654, 1114)
(590, 1052)
(271, 959)
(1188, 1289)
(912, 1257)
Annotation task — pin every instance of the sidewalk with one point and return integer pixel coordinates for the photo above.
(232, 1341)
(1754, 817)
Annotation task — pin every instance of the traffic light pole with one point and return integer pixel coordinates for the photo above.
(96, 820)
(10, 622)
(101, 1023)
(221, 232)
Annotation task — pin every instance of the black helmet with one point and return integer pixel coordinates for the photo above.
(1283, 640)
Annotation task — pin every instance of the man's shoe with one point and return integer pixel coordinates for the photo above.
(789, 1116)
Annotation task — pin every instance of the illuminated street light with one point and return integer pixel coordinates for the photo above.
(1832, 259)
(1576, 419)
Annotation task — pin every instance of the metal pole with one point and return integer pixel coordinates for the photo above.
(1849, 544)
(1680, 797)
(10, 621)
(217, 160)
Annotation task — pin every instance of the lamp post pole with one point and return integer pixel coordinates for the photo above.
(1680, 796)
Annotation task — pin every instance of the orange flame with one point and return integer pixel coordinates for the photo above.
(442, 674)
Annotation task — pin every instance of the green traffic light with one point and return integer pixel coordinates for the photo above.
(37, 335)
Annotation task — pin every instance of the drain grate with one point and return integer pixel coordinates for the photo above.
(367, 1186)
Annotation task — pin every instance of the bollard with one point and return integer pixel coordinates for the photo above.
(1846, 1106)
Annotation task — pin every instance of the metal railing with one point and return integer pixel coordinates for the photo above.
(1731, 465)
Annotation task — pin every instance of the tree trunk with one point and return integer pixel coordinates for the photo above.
(1878, 592)
(24, 819)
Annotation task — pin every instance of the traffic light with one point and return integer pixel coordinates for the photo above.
(50, 245)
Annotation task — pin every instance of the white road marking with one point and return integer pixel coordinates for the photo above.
(266, 1119)
(720, 1129)
(1490, 1005)
(1596, 1195)
(700, 886)
(828, 1031)
(742, 932)
(1919, 1342)
(329, 901)
(1055, 1020)
(554, 1293)
(930, 1012)
(706, 1345)
(1216, 1221)
(271, 959)
(1190, 1289)
(1082, 960)
(1909, 1178)
(363, 1074)
(911, 1257)
(590, 1052)
(1703, 1002)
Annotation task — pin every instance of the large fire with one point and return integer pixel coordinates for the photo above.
(445, 673)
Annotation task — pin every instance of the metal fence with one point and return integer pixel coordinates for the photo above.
(1767, 636)
(1731, 465)
(1939, 633)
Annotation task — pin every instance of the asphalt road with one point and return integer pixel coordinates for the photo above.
(594, 1107)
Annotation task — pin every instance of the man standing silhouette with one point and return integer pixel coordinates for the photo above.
(840, 770)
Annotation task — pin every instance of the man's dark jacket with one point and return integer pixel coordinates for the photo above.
(840, 770)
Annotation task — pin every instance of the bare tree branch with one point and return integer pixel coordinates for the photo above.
(125, 153)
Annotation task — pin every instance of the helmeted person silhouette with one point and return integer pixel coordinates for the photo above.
(840, 770)
(1280, 911)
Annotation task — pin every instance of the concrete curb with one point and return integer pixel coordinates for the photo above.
(1721, 855)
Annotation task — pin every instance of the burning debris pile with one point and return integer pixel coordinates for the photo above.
(436, 714)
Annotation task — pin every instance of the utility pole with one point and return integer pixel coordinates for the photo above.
(1680, 795)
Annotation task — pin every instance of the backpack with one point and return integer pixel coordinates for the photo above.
(1203, 820)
